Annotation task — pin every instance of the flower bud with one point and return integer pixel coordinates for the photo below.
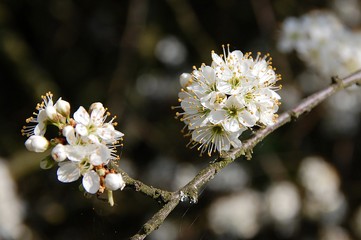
(114, 181)
(37, 143)
(59, 153)
(62, 107)
(185, 79)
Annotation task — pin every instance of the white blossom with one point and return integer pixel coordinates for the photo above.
(235, 93)
(84, 146)
(212, 138)
(93, 127)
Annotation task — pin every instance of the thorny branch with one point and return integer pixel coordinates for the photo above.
(191, 190)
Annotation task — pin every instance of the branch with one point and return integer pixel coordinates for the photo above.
(160, 195)
(191, 190)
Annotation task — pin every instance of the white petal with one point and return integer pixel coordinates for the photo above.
(81, 130)
(68, 172)
(247, 119)
(69, 133)
(224, 87)
(42, 119)
(267, 118)
(93, 138)
(238, 55)
(108, 133)
(82, 116)
(100, 155)
(190, 105)
(209, 74)
(217, 59)
(40, 129)
(97, 116)
(76, 153)
(235, 142)
(232, 125)
(51, 112)
(216, 117)
(91, 182)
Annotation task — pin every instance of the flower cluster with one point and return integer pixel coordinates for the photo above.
(85, 145)
(323, 42)
(328, 48)
(219, 102)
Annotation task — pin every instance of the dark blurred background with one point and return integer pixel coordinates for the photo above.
(302, 183)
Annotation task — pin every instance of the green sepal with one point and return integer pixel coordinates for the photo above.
(47, 162)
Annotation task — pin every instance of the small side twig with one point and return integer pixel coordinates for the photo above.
(161, 196)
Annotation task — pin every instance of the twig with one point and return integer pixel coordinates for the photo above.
(160, 195)
(205, 175)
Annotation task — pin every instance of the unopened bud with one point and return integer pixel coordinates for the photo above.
(63, 107)
(51, 113)
(59, 153)
(185, 79)
(114, 181)
(37, 143)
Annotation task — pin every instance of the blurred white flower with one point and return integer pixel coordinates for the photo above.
(234, 177)
(171, 51)
(322, 42)
(283, 202)
(169, 230)
(11, 208)
(323, 199)
(184, 172)
(348, 10)
(328, 48)
(332, 232)
(238, 215)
